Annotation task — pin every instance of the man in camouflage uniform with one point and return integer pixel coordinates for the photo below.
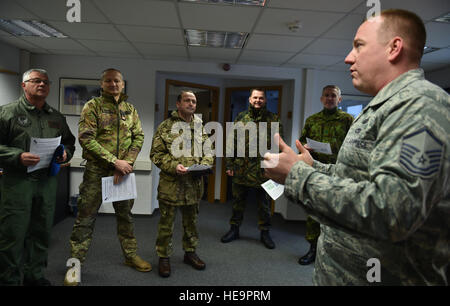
(384, 206)
(27, 203)
(246, 171)
(177, 187)
(328, 126)
(111, 136)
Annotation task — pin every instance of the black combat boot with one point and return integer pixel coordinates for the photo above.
(266, 240)
(232, 234)
(310, 256)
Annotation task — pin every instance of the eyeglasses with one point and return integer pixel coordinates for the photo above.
(38, 81)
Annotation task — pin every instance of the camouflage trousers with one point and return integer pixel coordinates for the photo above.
(189, 214)
(89, 202)
(312, 230)
(240, 193)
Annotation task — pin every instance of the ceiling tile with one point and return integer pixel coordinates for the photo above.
(54, 43)
(274, 21)
(152, 35)
(439, 56)
(56, 10)
(10, 10)
(438, 34)
(218, 17)
(317, 5)
(276, 43)
(316, 60)
(223, 54)
(140, 12)
(119, 54)
(330, 47)
(427, 10)
(157, 49)
(73, 52)
(108, 46)
(84, 30)
(17, 42)
(252, 56)
(346, 28)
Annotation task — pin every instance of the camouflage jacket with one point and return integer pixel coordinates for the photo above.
(174, 189)
(110, 130)
(387, 196)
(19, 121)
(329, 126)
(247, 168)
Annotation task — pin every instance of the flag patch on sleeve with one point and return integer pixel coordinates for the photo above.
(421, 154)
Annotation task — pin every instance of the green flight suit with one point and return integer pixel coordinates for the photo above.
(387, 196)
(28, 200)
(248, 173)
(328, 126)
(182, 191)
(108, 130)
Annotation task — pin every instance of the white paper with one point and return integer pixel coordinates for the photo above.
(274, 189)
(45, 148)
(322, 147)
(125, 190)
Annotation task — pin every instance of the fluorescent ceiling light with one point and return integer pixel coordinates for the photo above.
(445, 18)
(18, 27)
(235, 2)
(233, 40)
(427, 49)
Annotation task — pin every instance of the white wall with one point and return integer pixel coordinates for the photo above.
(9, 83)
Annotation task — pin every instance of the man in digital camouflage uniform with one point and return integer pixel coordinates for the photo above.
(329, 126)
(111, 136)
(27, 203)
(246, 171)
(384, 206)
(177, 187)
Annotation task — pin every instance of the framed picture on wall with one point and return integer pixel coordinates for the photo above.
(354, 104)
(74, 93)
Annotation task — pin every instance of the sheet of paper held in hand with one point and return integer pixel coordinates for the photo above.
(44, 147)
(274, 189)
(317, 146)
(125, 190)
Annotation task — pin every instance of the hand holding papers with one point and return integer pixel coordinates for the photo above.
(125, 190)
(319, 146)
(44, 148)
(274, 189)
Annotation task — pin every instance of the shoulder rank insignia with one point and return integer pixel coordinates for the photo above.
(421, 153)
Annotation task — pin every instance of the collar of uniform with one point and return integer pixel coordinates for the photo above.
(257, 112)
(30, 107)
(329, 112)
(396, 85)
(176, 116)
(110, 98)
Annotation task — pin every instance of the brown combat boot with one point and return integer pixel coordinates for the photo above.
(192, 259)
(164, 266)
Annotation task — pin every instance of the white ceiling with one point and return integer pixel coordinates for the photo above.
(154, 29)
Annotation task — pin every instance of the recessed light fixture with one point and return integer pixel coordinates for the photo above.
(445, 18)
(199, 38)
(428, 49)
(233, 2)
(18, 27)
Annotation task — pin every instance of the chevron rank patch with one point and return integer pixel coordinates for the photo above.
(421, 154)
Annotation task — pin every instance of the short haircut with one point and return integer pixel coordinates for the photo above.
(109, 70)
(332, 87)
(183, 92)
(409, 26)
(257, 89)
(27, 73)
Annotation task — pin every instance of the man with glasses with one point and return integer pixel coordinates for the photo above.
(28, 200)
